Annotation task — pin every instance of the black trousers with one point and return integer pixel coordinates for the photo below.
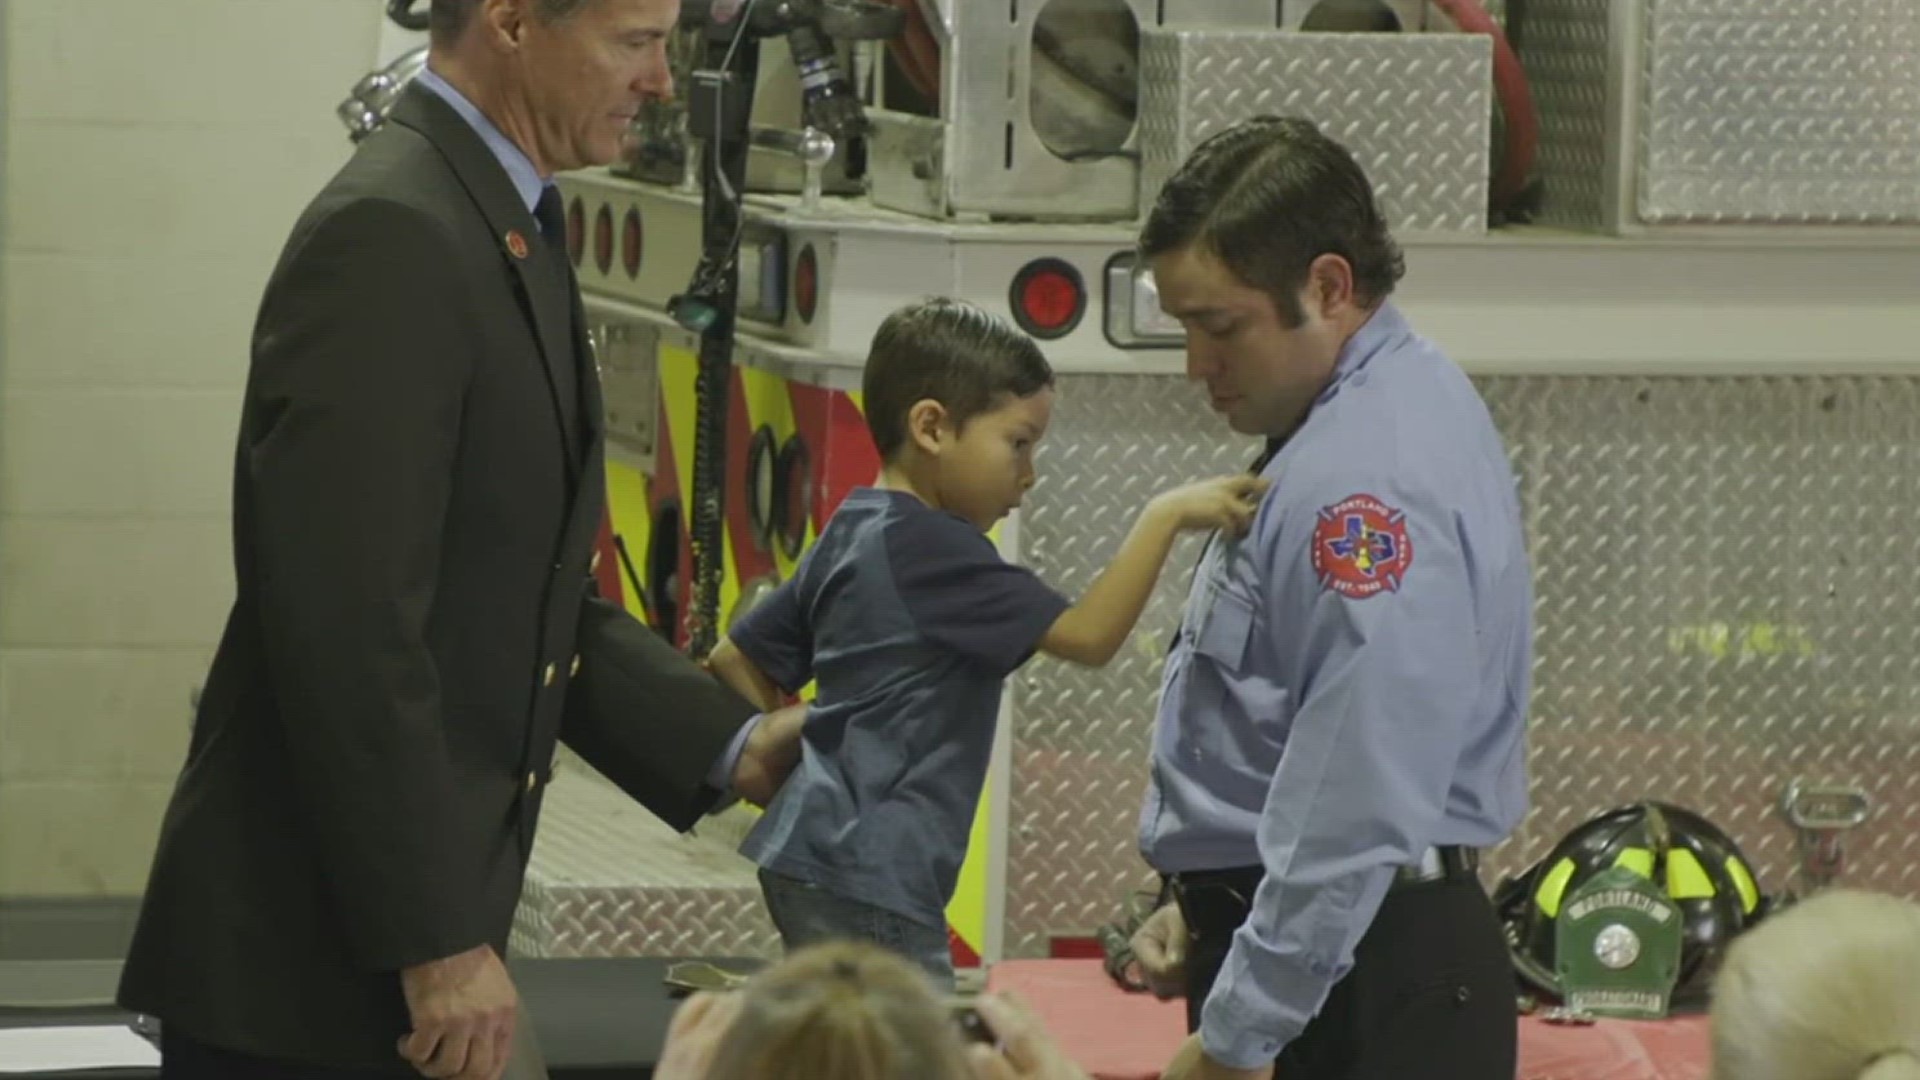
(1431, 993)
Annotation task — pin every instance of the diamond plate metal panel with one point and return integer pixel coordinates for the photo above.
(1564, 49)
(1082, 736)
(1723, 570)
(607, 878)
(1415, 109)
(1758, 111)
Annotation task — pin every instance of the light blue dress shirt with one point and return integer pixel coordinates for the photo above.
(526, 179)
(1350, 682)
(528, 182)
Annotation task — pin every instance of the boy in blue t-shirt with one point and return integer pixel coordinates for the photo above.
(909, 621)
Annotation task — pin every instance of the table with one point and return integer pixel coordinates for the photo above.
(596, 1018)
(1115, 1035)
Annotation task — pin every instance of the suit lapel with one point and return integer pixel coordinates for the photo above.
(546, 297)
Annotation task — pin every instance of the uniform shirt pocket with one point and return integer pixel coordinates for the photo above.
(1242, 693)
(1223, 637)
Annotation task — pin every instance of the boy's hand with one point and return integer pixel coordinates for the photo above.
(1225, 503)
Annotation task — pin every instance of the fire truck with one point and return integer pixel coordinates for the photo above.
(1637, 224)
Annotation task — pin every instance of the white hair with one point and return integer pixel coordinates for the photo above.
(1828, 989)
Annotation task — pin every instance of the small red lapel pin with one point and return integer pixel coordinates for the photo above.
(516, 243)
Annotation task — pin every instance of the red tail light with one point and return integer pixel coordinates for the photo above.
(1048, 298)
(631, 239)
(806, 283)
(603, 238)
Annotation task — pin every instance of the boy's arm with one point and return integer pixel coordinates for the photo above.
(964, 596)
(768, 652)
(1093, 629)
(744, 676)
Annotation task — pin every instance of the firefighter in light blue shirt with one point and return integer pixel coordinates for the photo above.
(1342, 717)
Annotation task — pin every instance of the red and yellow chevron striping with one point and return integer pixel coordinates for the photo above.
(830, 426)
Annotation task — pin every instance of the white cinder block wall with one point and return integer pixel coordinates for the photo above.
(155, 154)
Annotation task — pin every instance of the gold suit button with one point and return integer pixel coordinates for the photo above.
(547, 679)
(533, 781)
(575, 668)
(593, 567)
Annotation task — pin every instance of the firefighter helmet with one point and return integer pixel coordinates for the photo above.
(1701, 868)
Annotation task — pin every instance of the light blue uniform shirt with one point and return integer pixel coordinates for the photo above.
(1350, 682)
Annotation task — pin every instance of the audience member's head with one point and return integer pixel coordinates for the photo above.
(842, 1011)
(1826, 990)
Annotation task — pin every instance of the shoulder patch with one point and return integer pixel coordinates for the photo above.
(1360, 547)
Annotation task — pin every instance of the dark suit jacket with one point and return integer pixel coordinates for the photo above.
(417, 490)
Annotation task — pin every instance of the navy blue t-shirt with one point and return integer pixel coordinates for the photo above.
(909, 621)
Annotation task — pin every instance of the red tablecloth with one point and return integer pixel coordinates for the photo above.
(1677, 1048)
(1115, 1035)
(1112, 1034)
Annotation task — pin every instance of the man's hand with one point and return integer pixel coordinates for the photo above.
(464, 1009)
(770, 756)
(1024, 1052)
(695, 1034)
(1160, 945)
(1192, 1063)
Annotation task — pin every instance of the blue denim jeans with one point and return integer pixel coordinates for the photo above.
(805, 914)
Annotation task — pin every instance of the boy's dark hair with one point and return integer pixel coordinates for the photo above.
(1266, 197)
(953, 353)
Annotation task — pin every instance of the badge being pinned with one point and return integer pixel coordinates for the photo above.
(1360, 547)
(516, 244)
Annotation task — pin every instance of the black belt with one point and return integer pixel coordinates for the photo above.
(1215, 896)
(1449, 862)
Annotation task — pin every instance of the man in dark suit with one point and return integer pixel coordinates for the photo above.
(417, 490)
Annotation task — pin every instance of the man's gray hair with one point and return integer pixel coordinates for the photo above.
(448, 19)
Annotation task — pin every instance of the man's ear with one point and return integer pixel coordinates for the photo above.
(926, 423)
(1330, 285)
(503, 21)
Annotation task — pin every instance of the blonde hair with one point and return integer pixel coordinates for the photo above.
(1827, 990)
(841, 1011)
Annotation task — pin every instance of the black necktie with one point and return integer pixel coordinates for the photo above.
(1266, 455)
(552, 218)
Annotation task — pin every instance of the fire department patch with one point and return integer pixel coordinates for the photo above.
(1360, 547)
(516, 243)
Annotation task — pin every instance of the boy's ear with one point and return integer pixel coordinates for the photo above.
(925, 422)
